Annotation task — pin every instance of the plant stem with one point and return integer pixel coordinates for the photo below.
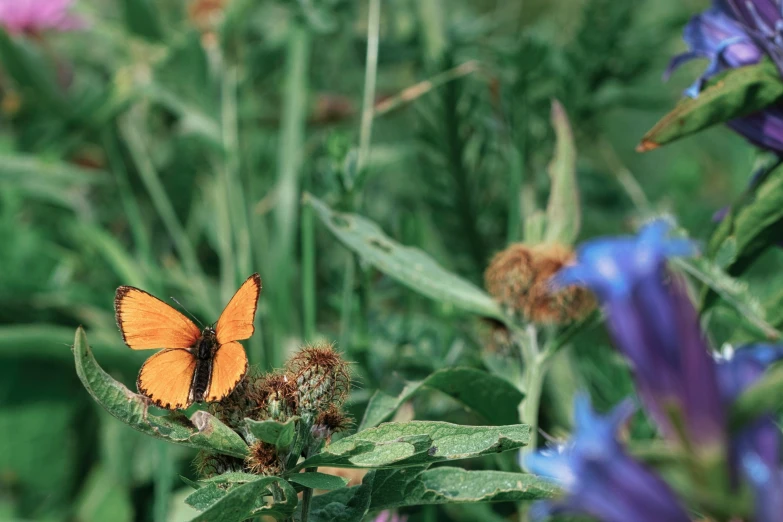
(370, 78)
(307, 496)
(294, 122)
(308, 269)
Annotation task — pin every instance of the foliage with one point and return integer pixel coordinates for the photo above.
(180, 146)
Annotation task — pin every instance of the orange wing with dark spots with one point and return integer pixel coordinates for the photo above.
(236, 321)
(228, 368)
(146, 322)
(166, 378)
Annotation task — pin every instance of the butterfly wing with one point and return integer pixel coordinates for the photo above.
(236, 321)
(228, 368)
(166, 378)
(146, 322)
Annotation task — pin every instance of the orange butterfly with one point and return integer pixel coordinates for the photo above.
(195, 366)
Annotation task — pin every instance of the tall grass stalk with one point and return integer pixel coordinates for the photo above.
(294, 123)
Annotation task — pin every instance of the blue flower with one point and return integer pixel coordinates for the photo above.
(654, 324)
(598, 477)
(754, 451)
(731, 34)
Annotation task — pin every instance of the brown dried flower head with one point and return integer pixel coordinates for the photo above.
(263, 460)
(519, 278)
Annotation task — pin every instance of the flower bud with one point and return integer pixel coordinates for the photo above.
(263, 460)
(320, 377)
(209, 464)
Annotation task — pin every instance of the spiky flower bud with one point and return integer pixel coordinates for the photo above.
(275, 397)
(209, 464)
(329, 422)
(321, 378)
(263, 459)
(519, 278)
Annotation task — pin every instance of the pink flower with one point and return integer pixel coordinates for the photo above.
(388, 516)
(35, 16)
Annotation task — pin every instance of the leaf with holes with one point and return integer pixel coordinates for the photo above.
(394, 445)
(205, 432)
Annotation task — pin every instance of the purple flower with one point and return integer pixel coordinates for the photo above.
(762, 20)
(655, 325)
(599, 478)
(36, 16)
(754, 451)
(731, 34)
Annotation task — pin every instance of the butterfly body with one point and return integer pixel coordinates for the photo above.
(194, 365)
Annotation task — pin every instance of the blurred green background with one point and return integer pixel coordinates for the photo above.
(167, 147)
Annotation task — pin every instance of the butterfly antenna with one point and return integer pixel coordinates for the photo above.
(188, 311)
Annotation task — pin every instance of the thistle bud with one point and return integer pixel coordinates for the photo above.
(263, 460)
(274, 397)
(329, 422)
(320, 377)
(209, 464)
(519, 278)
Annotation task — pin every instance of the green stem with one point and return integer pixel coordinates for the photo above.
(307, 496)
(165, 208)
(308, 270)
(290, 154)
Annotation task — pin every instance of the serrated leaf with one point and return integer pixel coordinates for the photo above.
(734, 292)
(409, 266)
(242, 501)
(205, 432)
(729, 95)
(418, 443)
(316, 480)
(563, 212)
(280, 434)
(490, 396)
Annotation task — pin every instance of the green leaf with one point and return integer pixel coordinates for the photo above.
(52, 181)
(446, 485)
(316, 480)
(416, 486)
(143, 18)
(488, 395)
(343, 505)
(206, 432)
(733, 291)
(281, 434)
(729, 95)
(242, 501)
(563, 213)
(103, 498)
(31, 73)
(750, 229)
(417, 443)
(762, 397)
(409, 266)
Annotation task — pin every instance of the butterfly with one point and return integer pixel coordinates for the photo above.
(195, 365)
